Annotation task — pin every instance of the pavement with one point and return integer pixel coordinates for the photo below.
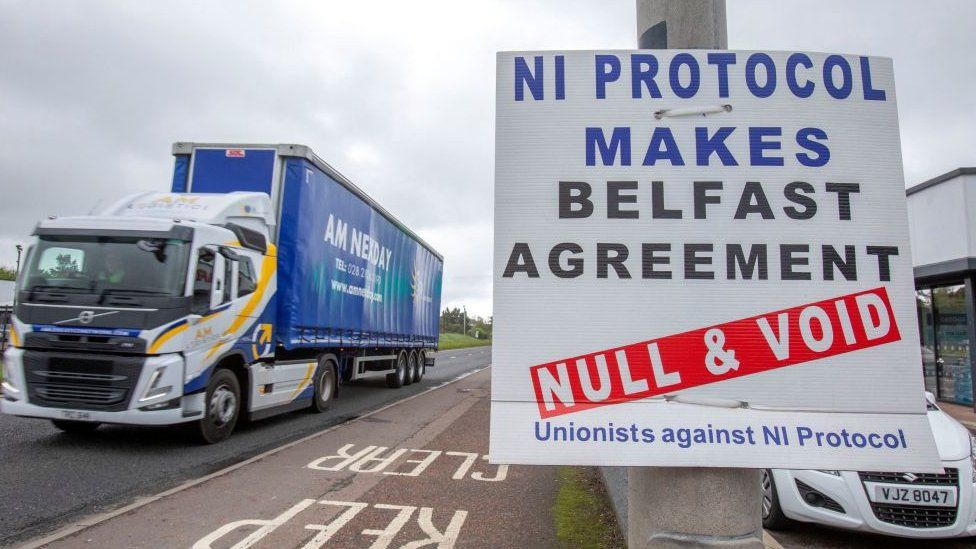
(51, 479)
(409, 475)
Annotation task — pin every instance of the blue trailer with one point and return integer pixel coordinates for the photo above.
(262, 280)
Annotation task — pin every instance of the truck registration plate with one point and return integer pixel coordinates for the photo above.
(76, 414)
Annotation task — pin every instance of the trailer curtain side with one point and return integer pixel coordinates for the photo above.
(347, 275)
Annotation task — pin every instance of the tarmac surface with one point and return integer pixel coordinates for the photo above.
(50, 478)
(411, 475)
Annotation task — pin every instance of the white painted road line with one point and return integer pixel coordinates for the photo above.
(447, 538)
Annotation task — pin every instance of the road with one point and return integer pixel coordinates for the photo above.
(50, 478)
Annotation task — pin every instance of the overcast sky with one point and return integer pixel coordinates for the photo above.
(397, 95)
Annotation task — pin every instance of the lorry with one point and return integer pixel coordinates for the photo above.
(257, 284)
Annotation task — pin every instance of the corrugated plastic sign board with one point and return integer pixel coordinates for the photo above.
(702, 259)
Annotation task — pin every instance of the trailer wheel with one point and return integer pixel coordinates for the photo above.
(421, 367)
(75, 427)
(408, 379)
(398, 378)
(221, 409)
(325, 384)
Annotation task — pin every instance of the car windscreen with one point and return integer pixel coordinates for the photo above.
(107, 265)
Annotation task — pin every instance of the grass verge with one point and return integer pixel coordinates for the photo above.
(450, 341)
(582, 511)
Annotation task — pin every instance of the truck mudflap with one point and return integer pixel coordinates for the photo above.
(428, 360)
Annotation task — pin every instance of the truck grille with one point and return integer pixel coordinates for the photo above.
(80, 394)
(914, 516)
(81, 380)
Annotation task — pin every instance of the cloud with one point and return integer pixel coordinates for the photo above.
(399, 96)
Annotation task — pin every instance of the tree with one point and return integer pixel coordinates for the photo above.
(7, 273)
(65, 266)
(479, 327)
(452, 321)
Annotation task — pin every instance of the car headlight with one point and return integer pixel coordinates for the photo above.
(972, 455)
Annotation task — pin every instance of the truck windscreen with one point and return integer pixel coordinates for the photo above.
(107, 265)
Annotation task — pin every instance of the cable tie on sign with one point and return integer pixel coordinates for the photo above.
(704, 110)
(707, 401)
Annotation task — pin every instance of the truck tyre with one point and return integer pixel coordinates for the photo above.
(398, 378)
(222, 407)
(325, 384)
(421, 367)
(75, 427)
(410, 367)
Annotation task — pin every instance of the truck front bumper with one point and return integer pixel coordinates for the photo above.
(128, 417)
(155, 397)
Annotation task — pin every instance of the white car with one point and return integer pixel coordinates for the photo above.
(915, 505)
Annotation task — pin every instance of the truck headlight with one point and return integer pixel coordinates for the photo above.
(153, 390)
(10, 390)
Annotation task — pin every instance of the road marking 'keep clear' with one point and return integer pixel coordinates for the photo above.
(370, 459)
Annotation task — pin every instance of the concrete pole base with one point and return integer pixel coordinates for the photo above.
(686, 507)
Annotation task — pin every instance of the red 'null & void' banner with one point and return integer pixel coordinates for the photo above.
(725, 351)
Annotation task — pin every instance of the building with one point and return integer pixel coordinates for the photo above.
(942, 224)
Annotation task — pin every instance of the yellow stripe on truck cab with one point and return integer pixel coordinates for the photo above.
(166, 336)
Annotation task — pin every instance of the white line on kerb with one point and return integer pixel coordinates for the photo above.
(96, 519)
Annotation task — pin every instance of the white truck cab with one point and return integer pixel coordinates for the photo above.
(119, 314)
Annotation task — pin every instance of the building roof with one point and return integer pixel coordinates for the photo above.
(939, 179)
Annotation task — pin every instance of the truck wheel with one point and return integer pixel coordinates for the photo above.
(421, 366)
(325, 384)
(75, 427)
(222, 407)
(411, 363)
(398, 378)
